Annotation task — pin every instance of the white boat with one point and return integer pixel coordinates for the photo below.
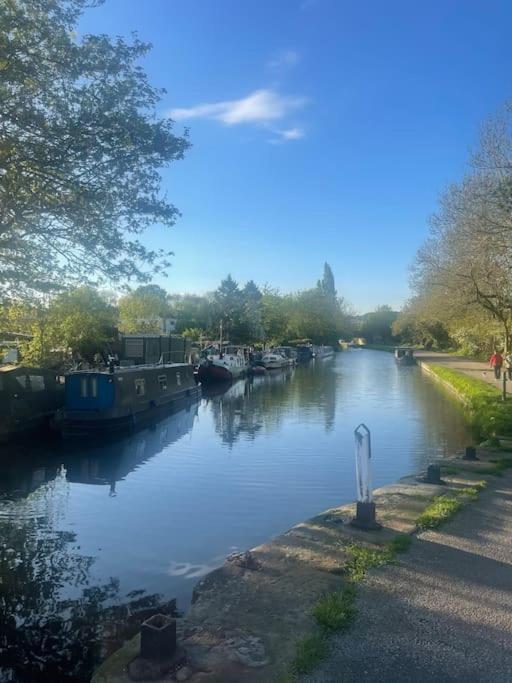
(273, 360)
(324, 352)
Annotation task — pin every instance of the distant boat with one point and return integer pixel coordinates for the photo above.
(103, 401)
(404, 355)
(289, 353)
(304, 353)
(29, 397)
(324, 352)
(273, 360)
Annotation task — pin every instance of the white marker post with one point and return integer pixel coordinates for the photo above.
(365, 511)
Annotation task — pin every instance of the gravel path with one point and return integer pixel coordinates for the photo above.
(444, 613)
(473, 368)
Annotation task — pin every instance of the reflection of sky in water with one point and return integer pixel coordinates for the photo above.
(161, 508)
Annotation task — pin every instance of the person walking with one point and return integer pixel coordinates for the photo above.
(508, 364)
(496, 361)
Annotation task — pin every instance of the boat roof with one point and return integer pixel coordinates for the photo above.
(128, 369)
(9, 367)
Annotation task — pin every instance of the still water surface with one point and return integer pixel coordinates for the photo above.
(86, 527)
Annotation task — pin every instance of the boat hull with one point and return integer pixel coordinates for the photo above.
(219, 373)
(74, 425)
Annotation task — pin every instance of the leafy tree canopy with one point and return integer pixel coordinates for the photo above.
(139, 311)
(80, 152)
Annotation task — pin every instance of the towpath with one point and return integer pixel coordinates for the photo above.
(444, 613)
(473, 368)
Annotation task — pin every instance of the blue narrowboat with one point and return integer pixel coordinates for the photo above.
(102, 402)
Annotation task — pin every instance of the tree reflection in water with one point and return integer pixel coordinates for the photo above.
(245, 408)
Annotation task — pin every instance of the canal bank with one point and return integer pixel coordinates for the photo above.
(140, 520)
(253, 619)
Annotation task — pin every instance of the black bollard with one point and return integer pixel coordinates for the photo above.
(433, 475)
(365, 517)
(470, 453)
(158, 638)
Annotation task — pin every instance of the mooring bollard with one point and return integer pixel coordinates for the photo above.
(470, 453)
(433, 475)
(365, 508)
(158, 638)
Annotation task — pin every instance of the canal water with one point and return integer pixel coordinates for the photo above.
(92, 534)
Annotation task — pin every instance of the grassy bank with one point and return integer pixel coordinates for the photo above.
(486, 411)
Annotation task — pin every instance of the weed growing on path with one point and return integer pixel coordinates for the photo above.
(335, 611)
(438, 512)
(310, 652)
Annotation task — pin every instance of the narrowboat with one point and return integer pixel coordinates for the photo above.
(304, 353)
(404, 356)
(106, 401)
(29, 397)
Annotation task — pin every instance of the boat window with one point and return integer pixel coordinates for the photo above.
(22, 381)
(162, 381)
(140, 387)
(178, 379)
(93, 386)
(83, 387)
(36, 382)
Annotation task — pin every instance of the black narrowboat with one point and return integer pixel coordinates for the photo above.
(102, 402)
(29, 398)
(304, 353)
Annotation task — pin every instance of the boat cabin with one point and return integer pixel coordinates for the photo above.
(29, 397)
(98, 400)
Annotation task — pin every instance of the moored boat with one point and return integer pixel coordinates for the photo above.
(273, 360)
(289, 353)
(223, 366)
(324, 351)
(103, 401)
(404, 355)
(304, 353)
(29, 397)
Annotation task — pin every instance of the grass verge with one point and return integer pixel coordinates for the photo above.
(488, 414)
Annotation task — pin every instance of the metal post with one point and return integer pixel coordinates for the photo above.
(365, 509)
(504, 385)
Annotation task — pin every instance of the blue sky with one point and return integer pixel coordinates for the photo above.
(322, 130)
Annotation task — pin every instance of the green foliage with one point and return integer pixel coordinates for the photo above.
(440, 510)
(139, 311)
(81, 149)
(361, 558)
(335, 611)
(488, 413)
(79, 321)
(310, 652)
(377, 325)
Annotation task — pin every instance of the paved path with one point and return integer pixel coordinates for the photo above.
(444, 613)
(473, 368)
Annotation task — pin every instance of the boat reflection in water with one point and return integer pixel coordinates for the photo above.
(244, 408)
(59, 619)
(98, 463)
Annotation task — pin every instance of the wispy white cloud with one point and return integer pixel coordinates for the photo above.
(259, 107)
(283, 60)
(292, 133)
(286, 135)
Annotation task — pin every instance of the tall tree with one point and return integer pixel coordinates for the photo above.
(327, 283)
(80, 152)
